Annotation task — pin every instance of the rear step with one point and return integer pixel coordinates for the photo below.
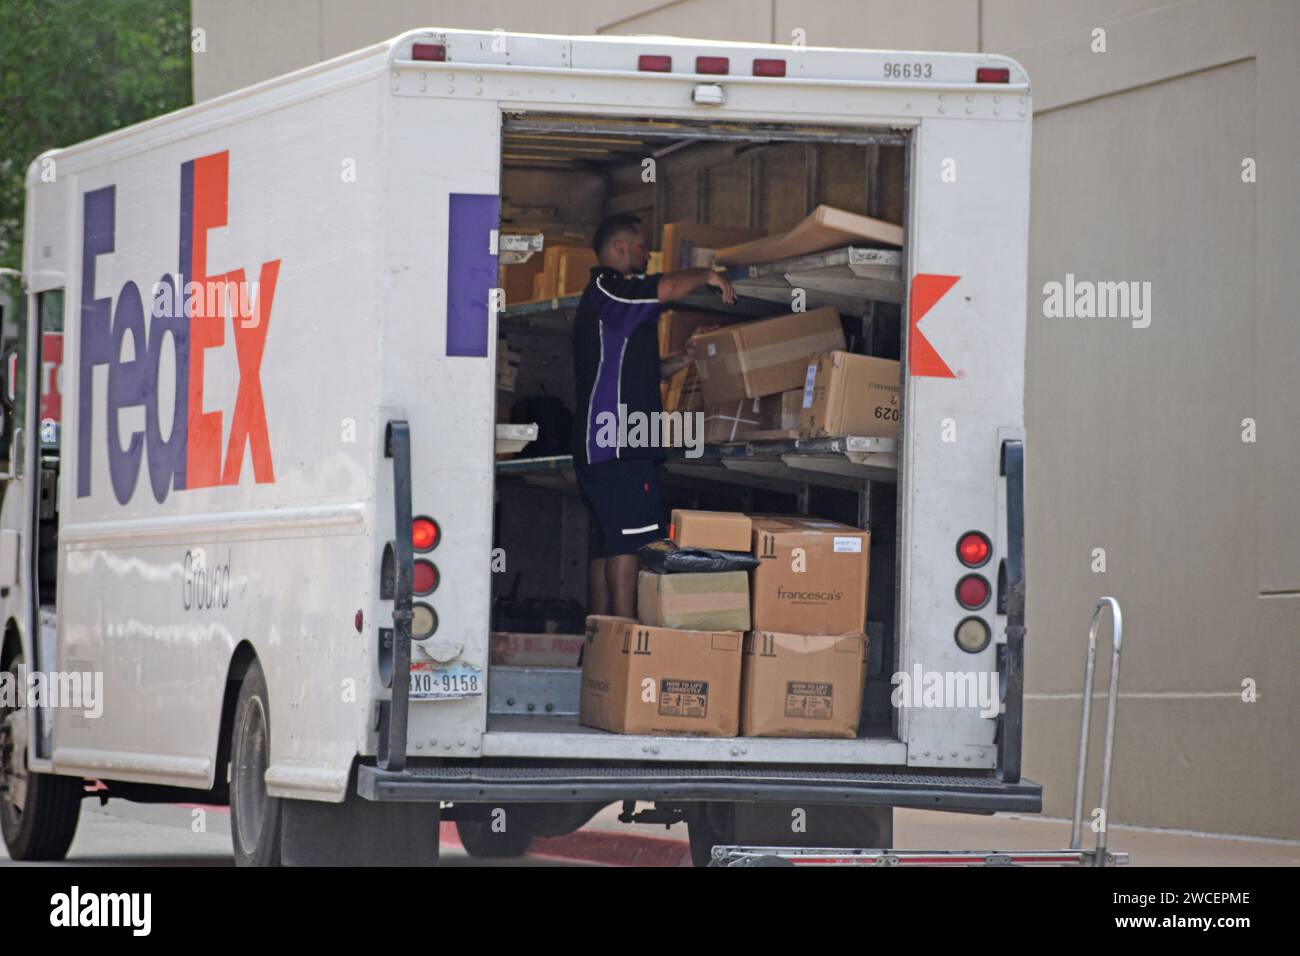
(566, 781)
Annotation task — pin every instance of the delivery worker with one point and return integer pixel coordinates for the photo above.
(617, 372)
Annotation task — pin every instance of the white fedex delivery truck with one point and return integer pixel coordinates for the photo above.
(256, 531)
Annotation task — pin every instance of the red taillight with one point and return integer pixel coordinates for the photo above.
(973, 592)
(434, 52)
(993, 74)
(769, 67)
(424, 534)
(654, 64)
(426, 578)
(712, 64)
(973, 549)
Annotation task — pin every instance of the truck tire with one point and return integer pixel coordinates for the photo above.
(254, 816)
(38, 811)
(709, 825)
(479, 839)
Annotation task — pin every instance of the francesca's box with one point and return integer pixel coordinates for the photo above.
(811, 576)
(846, 394)
(801, 685)
(657, 680)
(534, 650)
(716, 601)
(719, 530)
(764, 357)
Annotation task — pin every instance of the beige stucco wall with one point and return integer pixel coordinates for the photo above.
(1135, 440)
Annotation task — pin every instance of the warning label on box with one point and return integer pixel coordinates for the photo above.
(683, 698)
(808, 699)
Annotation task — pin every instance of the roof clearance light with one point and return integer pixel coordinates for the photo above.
(712, 64)
(425, 534)
(654, 64)
(435, 52)
(993, 74)
(769, 67)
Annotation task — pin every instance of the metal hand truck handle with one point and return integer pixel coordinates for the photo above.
(1112, 700)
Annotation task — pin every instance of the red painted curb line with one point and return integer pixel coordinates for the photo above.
(604, 847)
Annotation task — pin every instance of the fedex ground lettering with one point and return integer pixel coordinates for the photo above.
(188, 315)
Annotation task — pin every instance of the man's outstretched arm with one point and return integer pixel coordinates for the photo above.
(674, 285)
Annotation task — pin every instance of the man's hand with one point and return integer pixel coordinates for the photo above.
(723, 284)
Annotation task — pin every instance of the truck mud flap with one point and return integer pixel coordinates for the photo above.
(977, 793)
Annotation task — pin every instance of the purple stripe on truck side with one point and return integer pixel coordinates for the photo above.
(471, 271)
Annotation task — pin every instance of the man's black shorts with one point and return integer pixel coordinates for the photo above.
(622, 497)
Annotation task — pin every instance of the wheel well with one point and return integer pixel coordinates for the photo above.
(239, 663)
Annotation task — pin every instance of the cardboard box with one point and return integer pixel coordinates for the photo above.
(799, 685)
(781, 412)
(745, 419)
(546, 282)
(847, 394)
(534, 650)
(658, 680)
(764, 357)
(681, 392)
(676, 326)
(691, 245)
(717, 601)
(775, 434)
(516, 279)
(730, 421)
(720, 530)
(574, 271)
(820, 590)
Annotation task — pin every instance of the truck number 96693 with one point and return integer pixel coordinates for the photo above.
(909, 71)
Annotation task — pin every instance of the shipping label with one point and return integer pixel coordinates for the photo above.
(808, 699)
(683, 698)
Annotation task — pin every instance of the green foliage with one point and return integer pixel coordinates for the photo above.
(73, 69)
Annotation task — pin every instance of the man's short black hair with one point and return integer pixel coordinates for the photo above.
(613, 226)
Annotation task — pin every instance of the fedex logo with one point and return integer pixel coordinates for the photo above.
(193, 316)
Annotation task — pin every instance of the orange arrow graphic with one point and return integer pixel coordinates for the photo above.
(922, 359)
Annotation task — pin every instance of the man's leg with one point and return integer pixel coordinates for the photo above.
(597, 587)
(620, 577)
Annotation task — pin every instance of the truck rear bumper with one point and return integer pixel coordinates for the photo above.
(563, 783)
